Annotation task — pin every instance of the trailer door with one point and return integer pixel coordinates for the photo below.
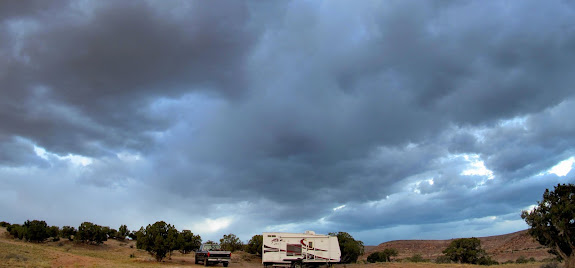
(312, 249)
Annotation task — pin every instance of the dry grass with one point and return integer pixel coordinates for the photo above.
(433, 265)
(16, 253)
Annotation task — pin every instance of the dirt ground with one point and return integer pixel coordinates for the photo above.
(63, 253)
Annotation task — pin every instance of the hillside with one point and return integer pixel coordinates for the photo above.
(501, 247)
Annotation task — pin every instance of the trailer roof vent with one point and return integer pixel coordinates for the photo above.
(310, 232)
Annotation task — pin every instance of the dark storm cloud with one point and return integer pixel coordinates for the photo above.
(104, 62)
(14, 152)
(300, 107)
(16, 8)
(523, 148)
(383, 81)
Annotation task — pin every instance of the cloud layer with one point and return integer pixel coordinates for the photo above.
(400, 119)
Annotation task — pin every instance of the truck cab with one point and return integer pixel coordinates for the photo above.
(210, 254)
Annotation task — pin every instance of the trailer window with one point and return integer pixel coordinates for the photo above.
(293, 250)
(310, 245)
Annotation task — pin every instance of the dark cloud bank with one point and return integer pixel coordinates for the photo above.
(401, 119)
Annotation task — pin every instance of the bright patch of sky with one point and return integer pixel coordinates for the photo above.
(530, 208)
(416, 185)
(517, 122)
(41, 152)
(212, 225)
(563, 168)
(128, 157)
(338, 208)
(476, 167)
(77, 160)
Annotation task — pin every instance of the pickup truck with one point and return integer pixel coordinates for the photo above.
(212, 254)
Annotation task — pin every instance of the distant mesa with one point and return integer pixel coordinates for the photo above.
(501, 247)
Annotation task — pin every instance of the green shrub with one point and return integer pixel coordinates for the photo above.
(376, 257)
(443, 259)
(231, 242)
(382, 256)
(350, 248)
(36, 231)
(254, 246)
(91, 233)
(188, 242)
(157, 239)
(16, 231)
(68, 232)
(54, 233)
(133, 235)
(486, 260)
(122, 232)
(464, 250)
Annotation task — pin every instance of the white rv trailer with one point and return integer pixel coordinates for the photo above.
(299, 249)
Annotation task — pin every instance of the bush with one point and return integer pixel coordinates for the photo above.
(68, 232)
(122, 232)
(16, 231)
(91, 233)
(443, 259)
(486, 260)
(36, 231)
(133, 235)
(54, 232)
(112, 233)
(376, 257)
(4, 224)
(254, 246)
(231, 243)
(188, 242)
(157, 239)
(464, 250)
(467, 250)
(350, 248)
(382, 256)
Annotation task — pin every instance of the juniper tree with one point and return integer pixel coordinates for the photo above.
(552, 222)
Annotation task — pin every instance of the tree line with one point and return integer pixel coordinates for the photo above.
(162, 239)
(159, 239)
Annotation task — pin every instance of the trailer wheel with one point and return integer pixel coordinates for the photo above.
(196, 260)
(296, 264)
(225, 264)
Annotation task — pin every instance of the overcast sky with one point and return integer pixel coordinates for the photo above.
(385, 119)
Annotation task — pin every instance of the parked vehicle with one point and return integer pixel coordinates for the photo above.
(299, 249)
(212, 254)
